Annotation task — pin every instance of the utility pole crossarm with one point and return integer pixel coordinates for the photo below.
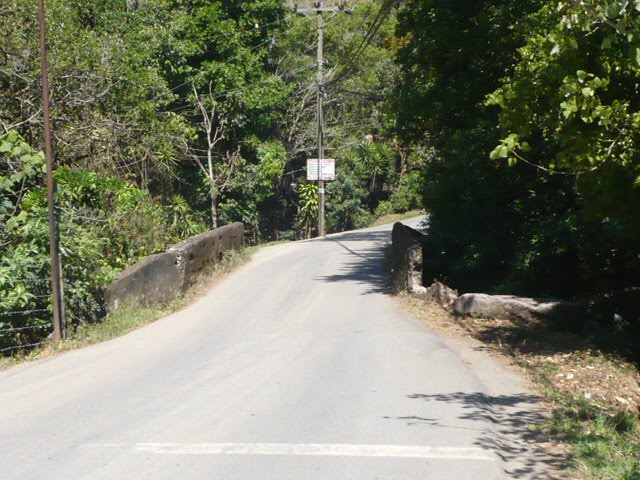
(318, 7)
(303, 11)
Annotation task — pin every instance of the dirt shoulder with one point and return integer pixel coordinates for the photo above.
(582, 418)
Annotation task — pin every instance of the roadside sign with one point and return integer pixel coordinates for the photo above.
(326, 169)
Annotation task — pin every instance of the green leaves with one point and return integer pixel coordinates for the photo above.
(272, 157)
(104, 223)
(507, 149)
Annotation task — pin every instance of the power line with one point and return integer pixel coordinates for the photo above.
(244, 87)
(259, 27)
(383, 13)
(270, 40)
(226, 62)
(264, 80)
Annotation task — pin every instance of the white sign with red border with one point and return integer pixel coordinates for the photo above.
(326, 169)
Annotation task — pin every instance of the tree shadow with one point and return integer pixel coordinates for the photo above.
(511, 434)
(366, 263)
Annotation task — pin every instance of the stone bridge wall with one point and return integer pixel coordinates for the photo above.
(162, 276)
(407, 259)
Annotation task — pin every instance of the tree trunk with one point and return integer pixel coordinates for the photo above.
(214, 208)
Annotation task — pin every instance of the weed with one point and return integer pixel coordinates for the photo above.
(605, 446)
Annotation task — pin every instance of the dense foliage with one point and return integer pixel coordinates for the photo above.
(171, 116)
(104, 224)
(531, 108)
(581, 118)
(453, 55)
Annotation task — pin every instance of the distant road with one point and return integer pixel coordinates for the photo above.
(297, 366)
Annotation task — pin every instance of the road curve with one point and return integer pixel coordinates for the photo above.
(297, 366)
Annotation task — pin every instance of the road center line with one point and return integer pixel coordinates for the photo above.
(309, 449)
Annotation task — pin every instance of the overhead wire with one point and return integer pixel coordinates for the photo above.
(264, 80)
(260, 27)
(245, 32)
(270, 40)
(230, 60)
(374, 27)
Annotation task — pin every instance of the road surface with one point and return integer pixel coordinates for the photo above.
(297, 366)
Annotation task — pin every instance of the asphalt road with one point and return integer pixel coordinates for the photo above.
(297, 366)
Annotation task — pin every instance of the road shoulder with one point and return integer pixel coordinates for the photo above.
(509, 401)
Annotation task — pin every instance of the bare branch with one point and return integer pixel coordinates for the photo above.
(16, 125)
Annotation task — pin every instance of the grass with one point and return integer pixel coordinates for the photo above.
(249, 251)
(603, 445)
(121, 322)
(594, 405)
(129, 318)
(395, 217)
(603, 437)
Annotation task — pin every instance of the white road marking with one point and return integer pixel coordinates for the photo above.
(311, 449)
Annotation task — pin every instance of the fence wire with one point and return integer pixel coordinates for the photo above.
(33, 335)
(21, 347)
(23, 312)
(20, 329)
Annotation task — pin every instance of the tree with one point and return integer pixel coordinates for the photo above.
(105, 224)
(570, 109)
(217, 171)
(358, 92)
(452, 55)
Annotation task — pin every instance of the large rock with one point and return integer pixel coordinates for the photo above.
(440, 293)
(551, 312)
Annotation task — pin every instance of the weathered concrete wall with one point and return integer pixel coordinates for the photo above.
(203, 251)
(162, 276)
(148, 281)
(407, 259)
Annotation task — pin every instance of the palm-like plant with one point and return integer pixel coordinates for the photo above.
(307, 208)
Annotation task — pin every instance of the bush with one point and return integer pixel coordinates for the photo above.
(408, 196)
(104, 225)
(345, 209)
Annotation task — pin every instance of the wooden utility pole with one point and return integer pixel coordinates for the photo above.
(319, 9)
(319, 98)
(59, 330)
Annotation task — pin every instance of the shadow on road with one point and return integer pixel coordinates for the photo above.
(511, 437)
(366, 265)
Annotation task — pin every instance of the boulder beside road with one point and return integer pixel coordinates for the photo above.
(551, 312)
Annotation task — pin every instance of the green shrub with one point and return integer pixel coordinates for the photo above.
(104, 225)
